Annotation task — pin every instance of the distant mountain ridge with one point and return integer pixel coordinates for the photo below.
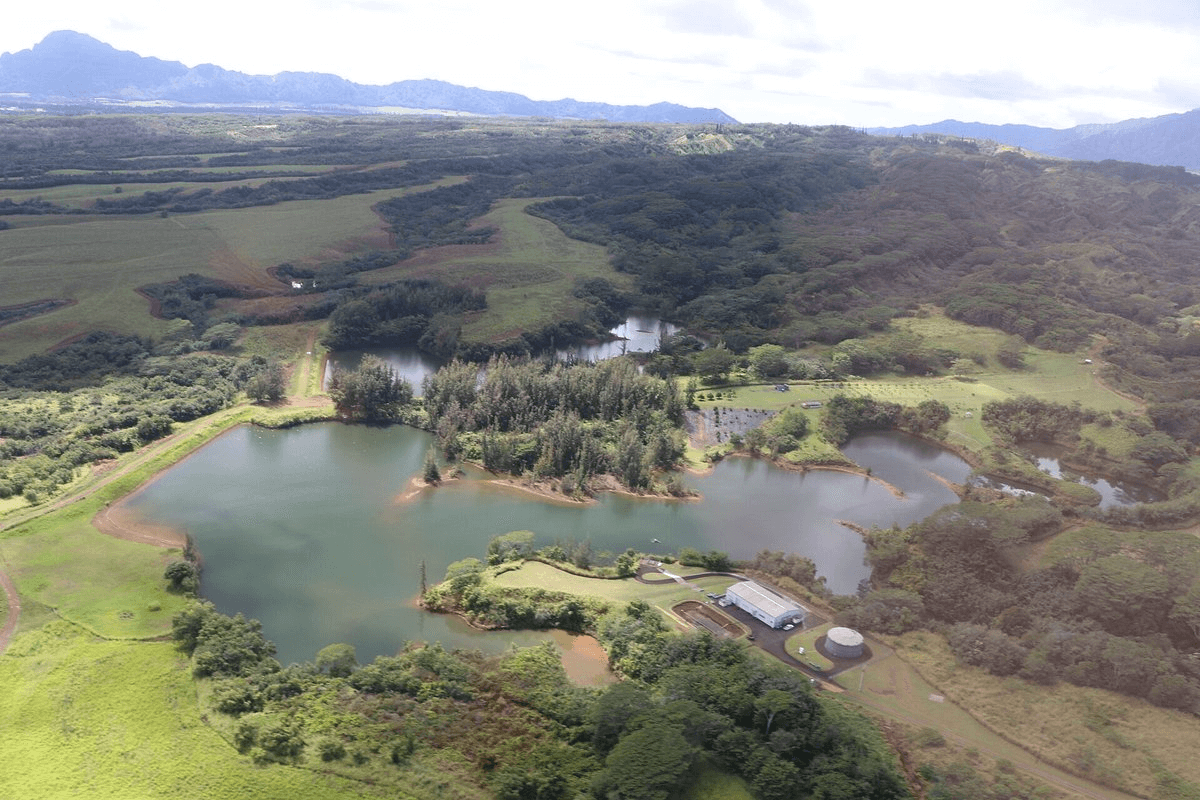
(73, 68)
(1170, 140)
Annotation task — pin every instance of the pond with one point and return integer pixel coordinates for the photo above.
(1112, 494)
(637, 334)
(304, 530)
(407, 362)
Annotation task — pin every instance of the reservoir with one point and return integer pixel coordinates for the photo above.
(305, 529)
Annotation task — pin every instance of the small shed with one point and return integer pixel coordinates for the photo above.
(844, 643)
(765, 605)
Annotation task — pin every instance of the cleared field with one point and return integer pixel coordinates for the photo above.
(99, 262)
(81, 717)
(890, 686)
(1110, 738)
(529, 270)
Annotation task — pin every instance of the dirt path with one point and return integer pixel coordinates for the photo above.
(962, 728)
(98, 482)
(14, 611)
(1043, 772)
(306, 365)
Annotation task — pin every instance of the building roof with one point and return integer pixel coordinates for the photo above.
(846, 637)
(764, 598)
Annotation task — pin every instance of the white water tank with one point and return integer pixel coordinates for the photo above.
(844, 643)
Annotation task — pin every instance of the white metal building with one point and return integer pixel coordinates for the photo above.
(765, 605)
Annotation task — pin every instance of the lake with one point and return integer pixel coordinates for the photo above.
(303, 529)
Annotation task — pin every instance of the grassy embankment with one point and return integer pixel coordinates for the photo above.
(663, 596)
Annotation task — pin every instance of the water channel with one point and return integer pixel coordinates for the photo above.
(304, 530)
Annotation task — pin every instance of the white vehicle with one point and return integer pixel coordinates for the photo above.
(788, 627)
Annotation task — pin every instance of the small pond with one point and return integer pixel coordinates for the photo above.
(637, 334)
(1112, 494)
(408, 362)
(304, 528)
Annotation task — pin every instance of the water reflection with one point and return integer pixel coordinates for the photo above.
(1112, 494)
(637, 334)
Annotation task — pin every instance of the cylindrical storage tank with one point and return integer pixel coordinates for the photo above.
(843, 643)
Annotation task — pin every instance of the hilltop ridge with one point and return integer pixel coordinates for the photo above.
(70, 68)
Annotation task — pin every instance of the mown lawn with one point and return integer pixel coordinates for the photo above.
(808, 640)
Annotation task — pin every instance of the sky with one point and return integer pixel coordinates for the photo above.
(864, 63)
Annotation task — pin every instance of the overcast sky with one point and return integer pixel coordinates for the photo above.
(1053, 63)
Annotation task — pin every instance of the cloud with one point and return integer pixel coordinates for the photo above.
(1004, 85)
(707, 17)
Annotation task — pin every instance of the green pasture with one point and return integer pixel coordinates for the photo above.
(1057, 377)
(808, 640)
(110, 587)
(312, 169)
(99, 262)
(529, 271)
(82, 717)
(83, 195)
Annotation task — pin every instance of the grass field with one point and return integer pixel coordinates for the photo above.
(1057, 377)
(535, 574)
(98, 263)
(84, 195)
(808, 640)
(529, 271)
(82, 717)
(1110, 738)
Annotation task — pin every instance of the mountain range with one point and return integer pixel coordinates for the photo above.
(1169, 140)
(69, 68)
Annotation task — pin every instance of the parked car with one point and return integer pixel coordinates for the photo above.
(788, 627)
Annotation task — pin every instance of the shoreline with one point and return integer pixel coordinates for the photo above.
(791, 466)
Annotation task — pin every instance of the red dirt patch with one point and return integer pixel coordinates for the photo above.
(708, 618)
